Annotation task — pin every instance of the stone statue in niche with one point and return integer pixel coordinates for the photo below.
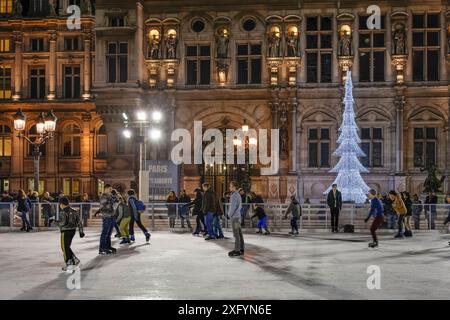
(345, 45)
(53, 4)
(222, 45)
(399, 40)
(284, 140)
(86, 7)
(154, 47)
(274, 45)
(171, 46)
(17, 8)
(292, 44)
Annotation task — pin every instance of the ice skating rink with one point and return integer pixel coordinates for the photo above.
(181, 266)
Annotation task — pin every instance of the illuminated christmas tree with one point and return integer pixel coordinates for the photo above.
(348, 169)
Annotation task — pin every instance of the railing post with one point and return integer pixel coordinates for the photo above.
(11, 214)
(153, 216)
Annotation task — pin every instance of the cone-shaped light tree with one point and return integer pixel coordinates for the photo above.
(348, 169)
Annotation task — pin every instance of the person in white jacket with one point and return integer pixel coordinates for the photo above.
(234, 214)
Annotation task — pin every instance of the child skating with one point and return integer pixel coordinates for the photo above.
(262, 222)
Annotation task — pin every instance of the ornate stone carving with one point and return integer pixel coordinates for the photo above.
(345, 45)
(399, 40)
(292, 48)
(399, 61)
(273, 41)
(53, 4)
(153, 67)
(86, 7)
(17, 9)
(222, 41)
(171, 46)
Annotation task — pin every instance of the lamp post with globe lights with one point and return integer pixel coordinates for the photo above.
(139, 126)
(248, 142)
(45, 128)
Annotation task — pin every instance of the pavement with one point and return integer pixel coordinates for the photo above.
(181, 266)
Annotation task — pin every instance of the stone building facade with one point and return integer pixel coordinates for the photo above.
(273, 65)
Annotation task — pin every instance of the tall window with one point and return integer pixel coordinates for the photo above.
(249, 61)
(71, 82)
(102, 142)
(71, 139)
(37, 44)
(117, 59)
(71, 44)
(319, 147)
(5, 141)
(426, 46)
(5, 82)
(71, 186)
(318, 49)
(372, 51)
(6, 6)
(33, 135)
(372, 145)
(41, 185)
(425, 146)
(198, 65)
(5, 45)
(37, 83)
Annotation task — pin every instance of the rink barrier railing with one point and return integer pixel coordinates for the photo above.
(314, 216)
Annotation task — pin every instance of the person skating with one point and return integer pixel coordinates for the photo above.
(262, 219)
(377, 212)
(69, 221)
(430, 210)
(399, 207)
(296, 210)
(234, 214)
(417, 211)
(210, 206)
(47, 209)
(334, 202)
(123, 219)
(183, 210)
(107, 212)
(137, 208)
(197, 212)
(217, 223)
(171, 204)
(409, 212)
(246, 199)
(24, 207)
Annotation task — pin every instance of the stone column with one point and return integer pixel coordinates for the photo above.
(18, 39)
(293, 153)
(85, 145)
(139, 43)
(52, 67)
(335, 72)
(87, 65)
(388, 43)
(399, 148)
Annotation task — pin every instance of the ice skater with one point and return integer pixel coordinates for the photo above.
(296, 210)
(107, 212)
(377, 212)
(69, 221)
(24, 207)
(234, 214)
(399, 207)
(262, 219)
(137, 208)
(123, 219)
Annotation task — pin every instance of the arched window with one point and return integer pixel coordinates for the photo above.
(33, 135)
(71, 141)
(5, 141)
(102, 142)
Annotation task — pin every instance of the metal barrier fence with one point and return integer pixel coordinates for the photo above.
(315, 216)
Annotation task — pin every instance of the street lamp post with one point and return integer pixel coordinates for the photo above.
(45, 128)
(142, 124)
(247, 142)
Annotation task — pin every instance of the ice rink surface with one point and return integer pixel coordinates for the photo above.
(181, 266)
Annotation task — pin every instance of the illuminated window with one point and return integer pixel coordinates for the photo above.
(5, 82)
(41, 186)
(71, 140)
(71, 187)
(5, 141)
(5, 45)
(6, 6)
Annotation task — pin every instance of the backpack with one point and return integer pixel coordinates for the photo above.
(140, 206)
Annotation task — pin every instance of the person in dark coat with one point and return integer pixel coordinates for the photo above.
(47, 209)
(197, 212)
(172, 201)
(183, 210)
(24, 207)
(296, 210)
(430, 210)
(334, 202)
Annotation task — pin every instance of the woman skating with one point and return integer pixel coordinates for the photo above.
(399, 207)
(24, 207)
(172, 208)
